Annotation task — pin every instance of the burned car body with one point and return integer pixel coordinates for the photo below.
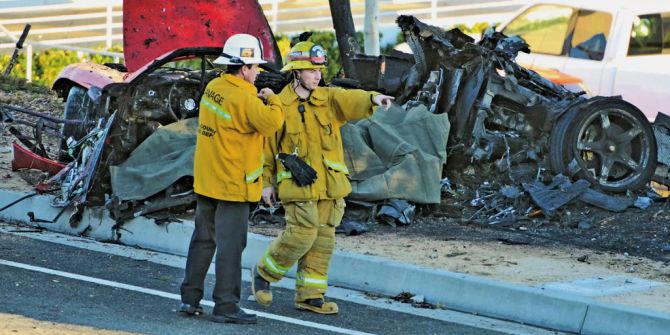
(498, 110)
(505, 113)
(168, 48)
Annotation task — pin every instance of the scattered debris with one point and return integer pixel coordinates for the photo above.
(585, 224)
(264, 214)
(404, 297)
(416, 301)
(445, 186)
(372, 295)
(395, 212)
(642, 202)
(511, 192)
(512, 242)
(501, 116)
(605, 201)
(553, 196)
(350, 227)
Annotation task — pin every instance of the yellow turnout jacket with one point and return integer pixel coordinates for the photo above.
(232, 126)
(316, 140)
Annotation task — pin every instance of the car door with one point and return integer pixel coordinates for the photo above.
(644, 74)
(586, 48)
(545, 28)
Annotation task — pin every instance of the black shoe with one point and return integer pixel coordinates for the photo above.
(239, 317)
(191, 310)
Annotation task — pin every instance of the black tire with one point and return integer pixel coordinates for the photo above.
(77, 107)
(608, 142)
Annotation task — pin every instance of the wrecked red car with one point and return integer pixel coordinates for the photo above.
(497, 111)
(168, 49)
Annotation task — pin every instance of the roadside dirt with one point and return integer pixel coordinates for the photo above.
(579, 242)
(40, 99)
(444, 244)
(14, 324)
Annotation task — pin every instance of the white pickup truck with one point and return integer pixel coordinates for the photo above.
(615, 47)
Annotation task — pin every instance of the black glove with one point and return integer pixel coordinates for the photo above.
(303, 174)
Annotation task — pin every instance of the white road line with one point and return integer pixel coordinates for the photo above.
(466, 319)
(175, 296)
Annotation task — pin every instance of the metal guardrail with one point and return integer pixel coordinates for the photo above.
(91, 23)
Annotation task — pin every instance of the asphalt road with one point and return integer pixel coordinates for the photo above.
(69, 285)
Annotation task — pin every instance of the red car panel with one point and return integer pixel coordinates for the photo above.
(25, 159)
(152, 28)
(91, 74)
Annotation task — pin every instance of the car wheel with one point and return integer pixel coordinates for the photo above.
(609, 142)
(77, 106)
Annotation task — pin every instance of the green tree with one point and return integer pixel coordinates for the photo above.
(49, 63)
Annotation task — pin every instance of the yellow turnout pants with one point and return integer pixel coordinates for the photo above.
(309, 239)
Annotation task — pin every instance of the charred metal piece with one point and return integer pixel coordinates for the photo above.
(43, 115)
(555, 195)
(37, 148)
(29, 195)
(343, 22)
(76, 181)
(6, 116)
(124, 211)
(500, 110)
(396, 211)
(608, 202)
(19, 46)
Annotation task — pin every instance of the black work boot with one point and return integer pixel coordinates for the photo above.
(238, 317)
(191, 310)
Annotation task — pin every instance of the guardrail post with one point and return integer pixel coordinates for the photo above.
(371, 27)
(275, 15)
(109, 25)
(29, 63)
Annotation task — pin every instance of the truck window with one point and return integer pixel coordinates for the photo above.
(589, 38)
(646, 37)
(544, 27)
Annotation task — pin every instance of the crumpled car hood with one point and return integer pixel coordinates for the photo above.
(152, 28)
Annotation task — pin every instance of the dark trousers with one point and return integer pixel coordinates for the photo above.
(221, 228)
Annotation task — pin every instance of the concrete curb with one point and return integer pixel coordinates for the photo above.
(529, 305)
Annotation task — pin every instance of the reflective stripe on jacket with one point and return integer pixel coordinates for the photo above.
(232, 125)
(316, 140)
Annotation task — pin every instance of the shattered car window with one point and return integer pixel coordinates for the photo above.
(544, 27)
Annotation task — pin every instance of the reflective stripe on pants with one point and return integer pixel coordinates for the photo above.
(309, 240)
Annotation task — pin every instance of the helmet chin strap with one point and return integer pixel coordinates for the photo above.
(299, 82)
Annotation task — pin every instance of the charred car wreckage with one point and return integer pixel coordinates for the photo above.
(130, 129)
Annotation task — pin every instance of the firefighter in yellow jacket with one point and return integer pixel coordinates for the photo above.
(227, 173)
(311, 135)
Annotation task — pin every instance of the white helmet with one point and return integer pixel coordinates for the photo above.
(241, 49)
